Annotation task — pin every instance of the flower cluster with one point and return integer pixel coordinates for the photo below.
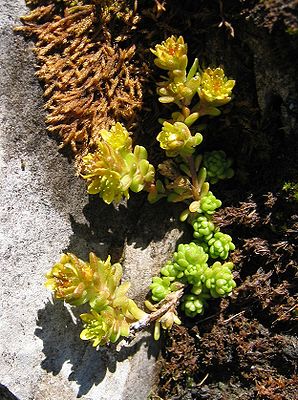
(95, 282)
(212, 87)
(115, 167)
(196, 93)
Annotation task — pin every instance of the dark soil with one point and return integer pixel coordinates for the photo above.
(244, 347)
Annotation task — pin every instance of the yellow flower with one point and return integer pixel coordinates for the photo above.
(117, 137)
(71, 280)
(171, 54)
(215, 89)
(177, 139)
(114, 167)
(104, 169)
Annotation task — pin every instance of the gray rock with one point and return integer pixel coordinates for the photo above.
(45, 211)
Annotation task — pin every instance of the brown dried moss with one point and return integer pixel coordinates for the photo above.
(90, 82)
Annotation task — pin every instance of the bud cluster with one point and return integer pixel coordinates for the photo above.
(218, 166)
(214, 242)
(189, 266)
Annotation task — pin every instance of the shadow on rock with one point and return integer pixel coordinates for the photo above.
(60, 333)
(110, 227)
(6, 394)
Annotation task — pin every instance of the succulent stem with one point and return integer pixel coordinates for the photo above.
(170, 303)
(196, 188)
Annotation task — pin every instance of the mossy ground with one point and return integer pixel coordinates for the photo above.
(244, 347)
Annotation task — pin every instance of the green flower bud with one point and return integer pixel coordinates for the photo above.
(218, 166)
(169, 270)
(177, 140)
(160, 288)
(193, 305)
(180, 92)
(219, 279)
(203, 228)
(220, 245)
(209, 203)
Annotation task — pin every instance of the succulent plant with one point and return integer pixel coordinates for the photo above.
(193, 305)
(115, 168)
(219, 279)
(203, 227)
(218, 166)
(97, 282)
(78, 282)
(220, 245)
(171, 271)
(209, 203)
(104, 327)
(188, 264)
(160, 288)
(189, 255)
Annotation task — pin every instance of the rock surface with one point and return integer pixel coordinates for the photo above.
(45, 211)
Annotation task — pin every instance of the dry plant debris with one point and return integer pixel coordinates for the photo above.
(91, 80)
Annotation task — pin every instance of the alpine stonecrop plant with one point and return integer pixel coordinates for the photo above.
(198, 271)
(115, 167)
(187, 178)
(95, 282)
(196, 93)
